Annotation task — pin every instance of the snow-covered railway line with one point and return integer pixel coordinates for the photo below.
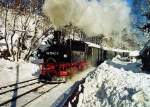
(30, 90)
(48, 90)
(14, 84)
(13, 89)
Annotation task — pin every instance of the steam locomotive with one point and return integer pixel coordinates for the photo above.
(63, 58)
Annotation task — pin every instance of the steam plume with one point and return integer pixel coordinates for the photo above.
(104, 17)
(108, 17)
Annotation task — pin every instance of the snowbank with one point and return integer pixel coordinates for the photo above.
(134, 54)
(8, 71)
(116, 50)
(114, 84)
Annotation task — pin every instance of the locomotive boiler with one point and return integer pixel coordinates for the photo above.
(65, 57)
(62, 58)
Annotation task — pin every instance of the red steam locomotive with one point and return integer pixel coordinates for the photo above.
(63, 58)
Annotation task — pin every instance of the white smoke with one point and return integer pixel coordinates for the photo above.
(104, 17)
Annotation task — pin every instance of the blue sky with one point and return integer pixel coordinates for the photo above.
(130, 2)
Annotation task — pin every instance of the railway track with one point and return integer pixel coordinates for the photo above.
(16, 97)
(34, 85)
(26, 104)
(14, 84)
(3, 92)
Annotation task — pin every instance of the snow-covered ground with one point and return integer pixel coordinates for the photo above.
(8, 75)
(8, 71)
(52, 98)
(116, 84)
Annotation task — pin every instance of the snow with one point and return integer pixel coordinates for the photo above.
(92, 45)
(8, 71)
(116, 84)
(116, 50)
(55, 96)
(50, 36)
(134, 53)
(28, 71)
(73, 37)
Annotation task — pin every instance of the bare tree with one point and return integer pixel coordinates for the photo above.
(23, 31)
(5, 27)
(36, 38)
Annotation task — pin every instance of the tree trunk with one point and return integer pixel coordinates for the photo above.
(6, 15)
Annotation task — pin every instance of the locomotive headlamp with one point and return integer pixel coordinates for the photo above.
(55, 42)
(65, 56)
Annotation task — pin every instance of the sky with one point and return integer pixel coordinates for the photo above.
(130, 2)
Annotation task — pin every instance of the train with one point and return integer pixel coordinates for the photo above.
(65, 57)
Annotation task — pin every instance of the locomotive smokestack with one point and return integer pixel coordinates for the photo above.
(57, 36)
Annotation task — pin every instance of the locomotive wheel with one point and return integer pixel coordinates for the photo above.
(40, 78)
(49, 76)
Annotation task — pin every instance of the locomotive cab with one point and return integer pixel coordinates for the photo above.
(62, 58)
